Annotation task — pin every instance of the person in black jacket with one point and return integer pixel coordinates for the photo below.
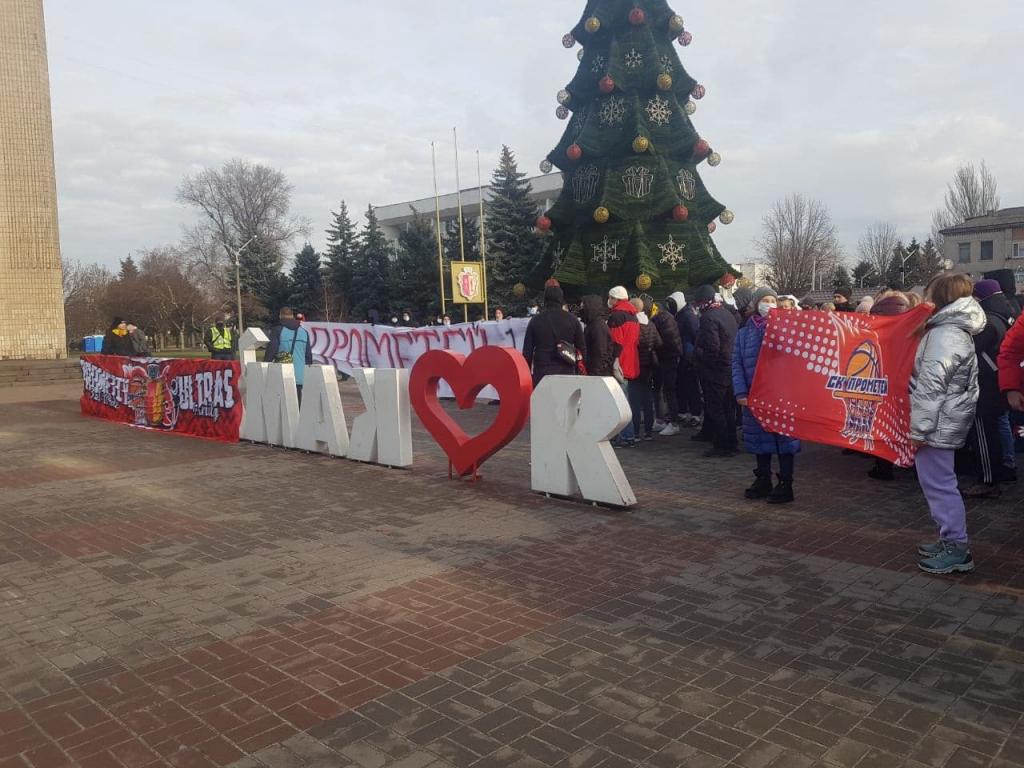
(599, 357)
(641, 389)
(690, 401)
(666, 373)
(117, 340)
(545, 331)
(713, 351)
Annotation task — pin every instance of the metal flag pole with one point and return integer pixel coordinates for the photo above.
(437, 212)
(483, 240)
(462, 237)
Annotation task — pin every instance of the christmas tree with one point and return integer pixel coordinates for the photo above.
(634, 206)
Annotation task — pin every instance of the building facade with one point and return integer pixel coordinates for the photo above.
(31, 292)
(987, 243)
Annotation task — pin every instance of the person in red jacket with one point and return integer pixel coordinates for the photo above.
(1011, 366)
(625, 331)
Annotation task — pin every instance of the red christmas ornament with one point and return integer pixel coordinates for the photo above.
(727, 280)
(574, 152)
(701, 149)
(712, 227)
(680, 213)
(637, 17)
(698, 91)
(543, 223)
(607, 85)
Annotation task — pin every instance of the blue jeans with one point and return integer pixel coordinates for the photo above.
(641, 401)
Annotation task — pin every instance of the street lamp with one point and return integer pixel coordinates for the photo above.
(238, 276)
(865, 275)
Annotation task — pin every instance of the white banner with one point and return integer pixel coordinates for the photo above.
(347, 346)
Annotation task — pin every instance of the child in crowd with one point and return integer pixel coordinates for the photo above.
(756, 439)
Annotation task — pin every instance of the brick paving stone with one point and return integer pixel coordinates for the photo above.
(336, 622)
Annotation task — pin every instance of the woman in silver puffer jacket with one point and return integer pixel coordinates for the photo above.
(943, 399)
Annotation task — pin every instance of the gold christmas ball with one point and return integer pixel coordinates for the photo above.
(690, 107)
(714, 159)
(676, 23)
(641, 144)
(727, 217)
(519, 290)
(664, 81)
(592, 25)
(601, 215)
(643, 282)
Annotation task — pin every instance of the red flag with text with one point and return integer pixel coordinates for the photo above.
(839, 378)
(192, 397)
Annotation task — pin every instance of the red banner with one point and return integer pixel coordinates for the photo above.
(190, 397)
(840, 378)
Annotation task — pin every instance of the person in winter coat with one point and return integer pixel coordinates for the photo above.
(666, 374)
(986, 436)
(688, 394)
(117, 340)
(841, 298)
(290, 343)
(641, 389)
(600, 357)
(713, 352)
(1015, 303)
(943, 400)
(545, 331)
(887, 303)
(625, 332)
(1011, 367)
(756, 439)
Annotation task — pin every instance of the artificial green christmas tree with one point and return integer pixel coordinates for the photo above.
(633, 205)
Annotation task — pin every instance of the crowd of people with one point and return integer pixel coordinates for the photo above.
(689, 362)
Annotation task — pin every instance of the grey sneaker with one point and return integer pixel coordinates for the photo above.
(954, 558)
(930, 549)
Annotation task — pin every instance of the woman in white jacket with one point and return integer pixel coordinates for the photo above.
(943, 399)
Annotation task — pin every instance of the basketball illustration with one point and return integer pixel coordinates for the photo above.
(863, 362)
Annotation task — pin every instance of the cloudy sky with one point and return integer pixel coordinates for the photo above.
(869, 106)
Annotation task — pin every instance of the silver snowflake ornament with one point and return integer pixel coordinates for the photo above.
(667, 65)
(673, 253)
(659, 111)
(605, 252)
(613, 111)
(633, 60)
(598, 65)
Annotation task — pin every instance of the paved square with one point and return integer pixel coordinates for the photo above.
(173, 602)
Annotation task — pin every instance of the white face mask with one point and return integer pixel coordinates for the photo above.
(532, 311)
(447, 321)
(765, 307)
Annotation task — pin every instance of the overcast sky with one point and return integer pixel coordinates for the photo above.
(869, 106)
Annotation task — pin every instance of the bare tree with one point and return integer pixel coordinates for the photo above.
(85, 286)
(972, 192)
(798, 242)
(877, 246)
(176, 298)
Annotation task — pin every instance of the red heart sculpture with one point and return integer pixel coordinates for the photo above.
(504, 369)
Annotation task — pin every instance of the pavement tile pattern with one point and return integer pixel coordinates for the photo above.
(173, 602)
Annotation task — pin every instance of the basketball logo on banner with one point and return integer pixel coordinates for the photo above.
(861, 387)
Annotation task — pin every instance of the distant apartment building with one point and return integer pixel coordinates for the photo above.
(986, 243)
(396, 217)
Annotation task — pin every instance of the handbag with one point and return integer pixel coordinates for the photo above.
(289, 356)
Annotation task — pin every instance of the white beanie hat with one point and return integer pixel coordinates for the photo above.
(618, 293)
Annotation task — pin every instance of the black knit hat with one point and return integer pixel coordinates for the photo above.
(705, 294)
(845, 291)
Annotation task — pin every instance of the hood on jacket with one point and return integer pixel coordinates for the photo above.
(676, 301)
(1006, 278)
(624, 305)
(998, 304)
(592, 308)
(965, 313)
(893, 304)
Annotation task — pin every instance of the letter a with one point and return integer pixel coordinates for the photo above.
(571, 420)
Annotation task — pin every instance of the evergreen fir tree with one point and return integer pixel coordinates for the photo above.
(414, 281)
(307, 283)
(128, 270)
(841, 277)
(340, 258)
(372, 269)
(864, 274)
(898, 267)
(927, 263)
(633, 202)
(515, 249)
(263, 285)
(276, 294)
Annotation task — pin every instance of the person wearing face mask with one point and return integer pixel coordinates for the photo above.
(532, 310)
(756, 439)
(713, 351)
(446, 319)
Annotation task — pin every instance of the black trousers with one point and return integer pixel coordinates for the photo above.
(666, 382)
(688, 389)
(786, 464)
(223, 354)
(989, 445)
(719, 413)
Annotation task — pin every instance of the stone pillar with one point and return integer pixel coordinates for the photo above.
(31, 293)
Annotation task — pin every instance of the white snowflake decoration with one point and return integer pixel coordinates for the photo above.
(613, 111)
(634, 59)
(666, 64)
(659, 111)
(598, 65)
(605, 253)
(673, 253)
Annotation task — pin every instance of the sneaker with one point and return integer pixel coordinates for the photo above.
(981, 491)
(930, 548)
(760, 489)
(670, 430)
(648, 437)
(954, 558)
(782, 493)
(659, 425)
(695, 421)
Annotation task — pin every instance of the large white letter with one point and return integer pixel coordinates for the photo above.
(322, 417)
(251, 386)
(571, 420)
(280, 403)
(383, 435)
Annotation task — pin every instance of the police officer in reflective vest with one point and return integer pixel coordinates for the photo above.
(220, 340)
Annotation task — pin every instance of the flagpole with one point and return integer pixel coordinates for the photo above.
(437, 213)
(483, 239)
(462, 237)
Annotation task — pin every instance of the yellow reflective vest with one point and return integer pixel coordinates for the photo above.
(220, 340)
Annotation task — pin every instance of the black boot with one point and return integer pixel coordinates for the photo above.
(782, 493)
(761, 488)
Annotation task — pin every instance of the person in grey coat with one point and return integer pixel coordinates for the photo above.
(943, 401)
